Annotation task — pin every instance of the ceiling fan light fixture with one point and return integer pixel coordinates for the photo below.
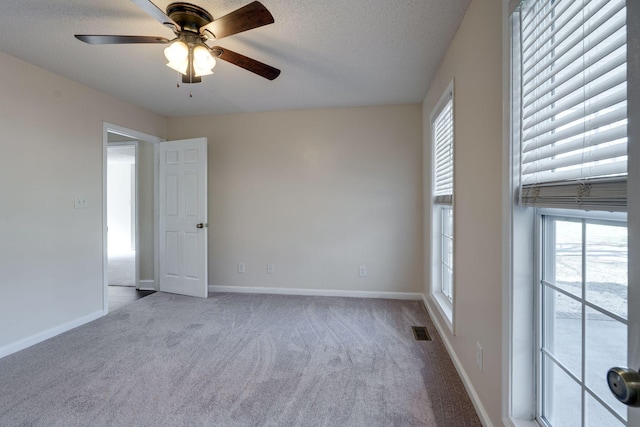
(193, 26)
(203, 61)
(178, 56)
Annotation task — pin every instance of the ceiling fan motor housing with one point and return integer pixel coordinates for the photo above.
(189, 16)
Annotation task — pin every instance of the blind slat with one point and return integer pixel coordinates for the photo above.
(565, 42)
(614, 71)
(596, 154)
(609, 169)
(561, 61)
(603, 137)
(574, 109)
(541, 16)
(601, 120)
(553, 29)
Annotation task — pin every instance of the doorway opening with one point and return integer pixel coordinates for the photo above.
(122, 212)
(129, 216)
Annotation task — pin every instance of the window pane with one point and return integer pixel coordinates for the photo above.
(446, 238)
(562, 329)
(447, 282)
(606, 272)
(565, 270)
(562, 401)
(599, 416)
(447, 251)
(447, 221)
(606, 346)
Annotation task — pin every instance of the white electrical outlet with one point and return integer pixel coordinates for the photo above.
(271, 269)
(80, 202)
(479, 355)
(363, 271)
(241, 267)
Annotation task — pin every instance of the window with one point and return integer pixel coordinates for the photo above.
(583, 333)
(569, 129)
(442, 137)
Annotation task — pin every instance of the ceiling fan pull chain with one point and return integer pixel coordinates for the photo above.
(190, 94)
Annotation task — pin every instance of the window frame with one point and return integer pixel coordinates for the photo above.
(521, 243)
(444, 304)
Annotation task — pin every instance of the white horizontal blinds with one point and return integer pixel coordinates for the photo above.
(574, 104)
(442, 129)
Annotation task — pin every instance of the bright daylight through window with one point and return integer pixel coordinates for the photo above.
(570, 120)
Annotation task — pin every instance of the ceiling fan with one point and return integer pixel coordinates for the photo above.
(188, 53)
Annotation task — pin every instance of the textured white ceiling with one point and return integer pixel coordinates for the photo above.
(332, 53)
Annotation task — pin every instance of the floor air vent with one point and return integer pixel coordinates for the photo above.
(420, 333)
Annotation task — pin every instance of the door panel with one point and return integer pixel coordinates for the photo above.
(183, 206)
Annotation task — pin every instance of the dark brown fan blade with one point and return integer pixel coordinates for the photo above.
(251, 16)
(156, 13)
(93, 39)
(257, 67)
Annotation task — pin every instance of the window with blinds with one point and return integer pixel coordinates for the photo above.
(573, 104)
(442, 128)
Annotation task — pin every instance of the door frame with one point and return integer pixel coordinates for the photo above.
(139, 136)
(135, 204)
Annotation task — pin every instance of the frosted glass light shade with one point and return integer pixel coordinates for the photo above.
(203, 62)
(178, 56)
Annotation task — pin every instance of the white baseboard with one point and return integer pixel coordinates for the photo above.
(49, 333)
(471, 391)
(317, 292)
(147, 285)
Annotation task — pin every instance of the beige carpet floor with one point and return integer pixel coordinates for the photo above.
(239, 360)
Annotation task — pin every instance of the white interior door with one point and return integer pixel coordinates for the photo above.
(183, 217)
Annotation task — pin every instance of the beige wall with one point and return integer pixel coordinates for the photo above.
(474, 62)
(146, 213)
(51, 150)
(317, 193)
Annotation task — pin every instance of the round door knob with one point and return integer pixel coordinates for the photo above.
(624, 383)
(201, 225)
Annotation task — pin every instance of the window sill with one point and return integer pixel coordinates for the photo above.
(515, 422)
(445, 307)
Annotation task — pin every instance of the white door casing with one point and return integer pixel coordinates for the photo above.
(183, 217)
